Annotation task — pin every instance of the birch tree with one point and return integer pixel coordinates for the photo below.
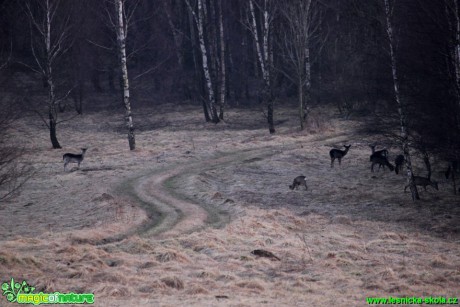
(400, 103)
(262, 42)
(453, 17)
(199, 18)
(222, 73)
(301, 22)
(122, 31)
(199, 80)
(49, 41)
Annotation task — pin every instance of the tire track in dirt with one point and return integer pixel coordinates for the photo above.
(175, 214)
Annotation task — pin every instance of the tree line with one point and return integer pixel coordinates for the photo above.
(396, 63)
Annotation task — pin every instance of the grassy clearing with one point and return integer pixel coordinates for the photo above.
(353, 234)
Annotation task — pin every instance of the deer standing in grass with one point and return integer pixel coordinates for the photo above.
(338, 154)
(73, 158)
(380, 153)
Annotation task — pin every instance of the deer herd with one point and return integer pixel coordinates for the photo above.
(377, 157)
(380, 158)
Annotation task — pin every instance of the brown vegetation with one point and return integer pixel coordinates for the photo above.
(353, 234)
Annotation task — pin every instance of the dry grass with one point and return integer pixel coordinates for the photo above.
(353, 234)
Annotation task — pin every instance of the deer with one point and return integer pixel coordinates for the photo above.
(380, 153)
(298, 181)
(424, 182)
(338, 154)
(399, 161)
(381, 161)
(73, 158)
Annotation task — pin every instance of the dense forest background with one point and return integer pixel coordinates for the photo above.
(395, 64)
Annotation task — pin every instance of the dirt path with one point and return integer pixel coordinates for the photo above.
(172, 213)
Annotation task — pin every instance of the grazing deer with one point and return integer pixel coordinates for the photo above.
(74, 158)
(424, 182)
(399, 161)
(338, 154)
(298, 181)
(378, 154)
(381, 161)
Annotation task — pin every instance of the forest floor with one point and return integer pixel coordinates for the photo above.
(173, 223)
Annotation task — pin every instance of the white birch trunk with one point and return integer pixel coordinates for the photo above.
(298, 28)
(457, 44)
(307, 80)
(52, 113)
(263, 53)
(207, 73)
(456, 56)
(121, 40)
(401, 105)
(265, 34)
(255, 34)
(204, 55)
(222, 63)
(451, 10)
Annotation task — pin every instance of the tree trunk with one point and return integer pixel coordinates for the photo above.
(198, 78)
(49, 78)
(457, 50)
(222, 63)
(177, 39)
(52, 124)
(401, 106)
(270, 110)
(307, 82)
(206, 71)
(204, 55)
(263, 56)
(121, 39)
(301, 107)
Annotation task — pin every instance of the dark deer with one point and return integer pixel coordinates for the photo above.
(338, 154)
(298, 181)
(399, 161)
(74, 158)
(424, 182)
(380, 153)
(381, 161)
